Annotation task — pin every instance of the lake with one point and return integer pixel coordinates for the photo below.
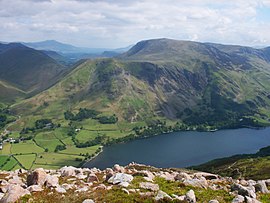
(183, 149)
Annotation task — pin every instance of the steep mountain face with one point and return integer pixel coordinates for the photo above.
(196, 82)
(26, 71)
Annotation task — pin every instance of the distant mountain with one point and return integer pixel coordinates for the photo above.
(52, 45)
(198, 83)
(25, 70)
(68, 54)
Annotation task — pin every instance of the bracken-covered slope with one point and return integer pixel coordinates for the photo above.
(25, 71)
(196, 82)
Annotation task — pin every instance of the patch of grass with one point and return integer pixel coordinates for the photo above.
(17, 166)
(26, 147)
(205, 195)
(257, 168)
(86, 135)
(116, 195)
(3, 159)
(264, 198)
(115, 134)
(87, 123)
(15, 134)
(57, 159)
(6, 149)
(77, 151)
(103, 127)
(61, 133)
(172, 187)
(202, 195)
(47, 140)
(68, 141)
(52, 167)
(10, 164)
(26, 160)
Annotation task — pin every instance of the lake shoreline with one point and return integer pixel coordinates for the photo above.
(140, 139)
(93, 157)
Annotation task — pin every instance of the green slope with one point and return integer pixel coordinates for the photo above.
(252, 166)
(25, 71)
(195, 82)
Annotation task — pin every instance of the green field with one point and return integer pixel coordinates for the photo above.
(40, 151)
(61, 133)
(77, 151)
(3, 160)
(57, 160)
(86, 135)
(68, 141)
(6, 149)
(10, 164)
(115, 134)
(26, 160)
(47, 140)
(25, 148)
(15, 134)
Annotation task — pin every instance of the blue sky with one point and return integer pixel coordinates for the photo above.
(119, 23)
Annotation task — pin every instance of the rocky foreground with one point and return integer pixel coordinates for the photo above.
(133, 183)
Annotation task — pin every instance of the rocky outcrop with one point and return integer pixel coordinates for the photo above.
(190, 196)
(120, 178)
(238, 199)
(149, 186)
(261, 187)
(37, 177)
(162, 195)
(134, 180)
(14, 192)
(244, 191)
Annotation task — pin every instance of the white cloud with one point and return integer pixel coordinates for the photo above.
(109, 23)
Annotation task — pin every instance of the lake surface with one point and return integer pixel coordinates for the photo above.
(183, 149)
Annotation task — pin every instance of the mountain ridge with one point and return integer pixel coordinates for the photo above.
(177, 80)
(29, 70)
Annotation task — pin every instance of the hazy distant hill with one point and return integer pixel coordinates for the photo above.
(26, 71)
(68, 54)
(56, 46)
(196, 82)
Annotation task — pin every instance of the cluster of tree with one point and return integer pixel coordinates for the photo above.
(90, 113)
(100, 139)
(44, 123)
(5, 117)
(26, 130)
(59, 148)
(108, 119)
(21, 138)
(78, 159)
(3, 120)
(111, 141)
(155, 128)
(40, 124)
(81, 115)
(180, 127)
(219, 119)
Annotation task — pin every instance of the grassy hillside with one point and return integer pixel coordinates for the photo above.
(25, 71)
(10, 94)
(249, 166)
(200, 84)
